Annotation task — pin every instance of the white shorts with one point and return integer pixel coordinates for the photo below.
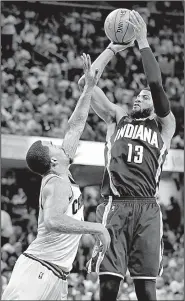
(30, 280)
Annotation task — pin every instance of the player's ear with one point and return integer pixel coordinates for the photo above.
(54, 161)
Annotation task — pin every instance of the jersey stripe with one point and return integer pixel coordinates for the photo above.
(161, 244)
(107, 210)
(113, 188)
(160, 162)
(56, 270)
(104, 221)
(157, 192)
(96, 247)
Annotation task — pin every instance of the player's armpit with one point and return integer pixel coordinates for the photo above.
(168, 126)
(105, 109)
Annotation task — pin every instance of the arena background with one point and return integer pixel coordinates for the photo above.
(41, 46)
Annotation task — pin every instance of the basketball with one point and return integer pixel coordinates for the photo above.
(117, 29)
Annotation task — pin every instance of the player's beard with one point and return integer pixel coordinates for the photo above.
(141, 114)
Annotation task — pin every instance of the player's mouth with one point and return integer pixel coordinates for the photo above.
(136, 105)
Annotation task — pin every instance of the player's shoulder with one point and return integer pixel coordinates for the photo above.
(120, 113)
(52, 180)
(167, 123)
(56, 183)
(168, 126)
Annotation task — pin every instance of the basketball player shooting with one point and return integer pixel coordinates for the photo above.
(41, 271)
(136, 148)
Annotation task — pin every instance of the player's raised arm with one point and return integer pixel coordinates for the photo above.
(106, 110)
(78, 119)
(55, 218)
(153, 75)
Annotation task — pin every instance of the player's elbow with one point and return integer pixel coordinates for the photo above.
(154, 78)
(155, 85)
(50, 224)
(57, 223)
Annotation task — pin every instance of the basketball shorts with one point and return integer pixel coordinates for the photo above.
(31, 280)
(135, 227)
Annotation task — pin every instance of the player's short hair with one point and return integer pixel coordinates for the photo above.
(37, 158)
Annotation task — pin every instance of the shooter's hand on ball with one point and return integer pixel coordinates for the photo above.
(139, 26)
(90, 77)
(119, 47)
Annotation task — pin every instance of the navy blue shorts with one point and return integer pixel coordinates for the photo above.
(135, 227)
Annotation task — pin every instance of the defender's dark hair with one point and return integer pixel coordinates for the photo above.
(38, 158)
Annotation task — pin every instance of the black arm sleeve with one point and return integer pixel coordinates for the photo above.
(153, 75)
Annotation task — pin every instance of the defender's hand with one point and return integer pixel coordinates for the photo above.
(139, 25)
(119, 47)
(91, 78)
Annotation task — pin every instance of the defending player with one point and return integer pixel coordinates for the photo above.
(41, 272)
(136, 147)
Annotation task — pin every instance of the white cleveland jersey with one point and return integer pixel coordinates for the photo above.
(55, 247)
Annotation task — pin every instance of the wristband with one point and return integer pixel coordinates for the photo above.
(111, 50)
(143, 44)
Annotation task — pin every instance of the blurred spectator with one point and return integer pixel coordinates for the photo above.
(173, 214)
(53, 69)
(7, 33)
(6, 227)
(178, 141)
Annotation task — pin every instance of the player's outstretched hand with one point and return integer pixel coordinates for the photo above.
(139, 25)
(105, 240)
(120, 47)
(91, 78)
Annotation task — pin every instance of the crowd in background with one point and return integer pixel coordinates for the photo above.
(19, 229)
(41, 65)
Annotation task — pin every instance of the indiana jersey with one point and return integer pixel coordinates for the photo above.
(134, 156)
(54, 247)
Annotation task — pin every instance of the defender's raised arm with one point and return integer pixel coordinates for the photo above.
(78, 119)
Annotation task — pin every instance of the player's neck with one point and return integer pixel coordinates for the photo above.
(61, 173)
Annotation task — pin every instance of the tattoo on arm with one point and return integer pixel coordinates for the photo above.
(76, 124)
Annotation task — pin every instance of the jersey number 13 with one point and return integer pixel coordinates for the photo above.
(138, 153)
